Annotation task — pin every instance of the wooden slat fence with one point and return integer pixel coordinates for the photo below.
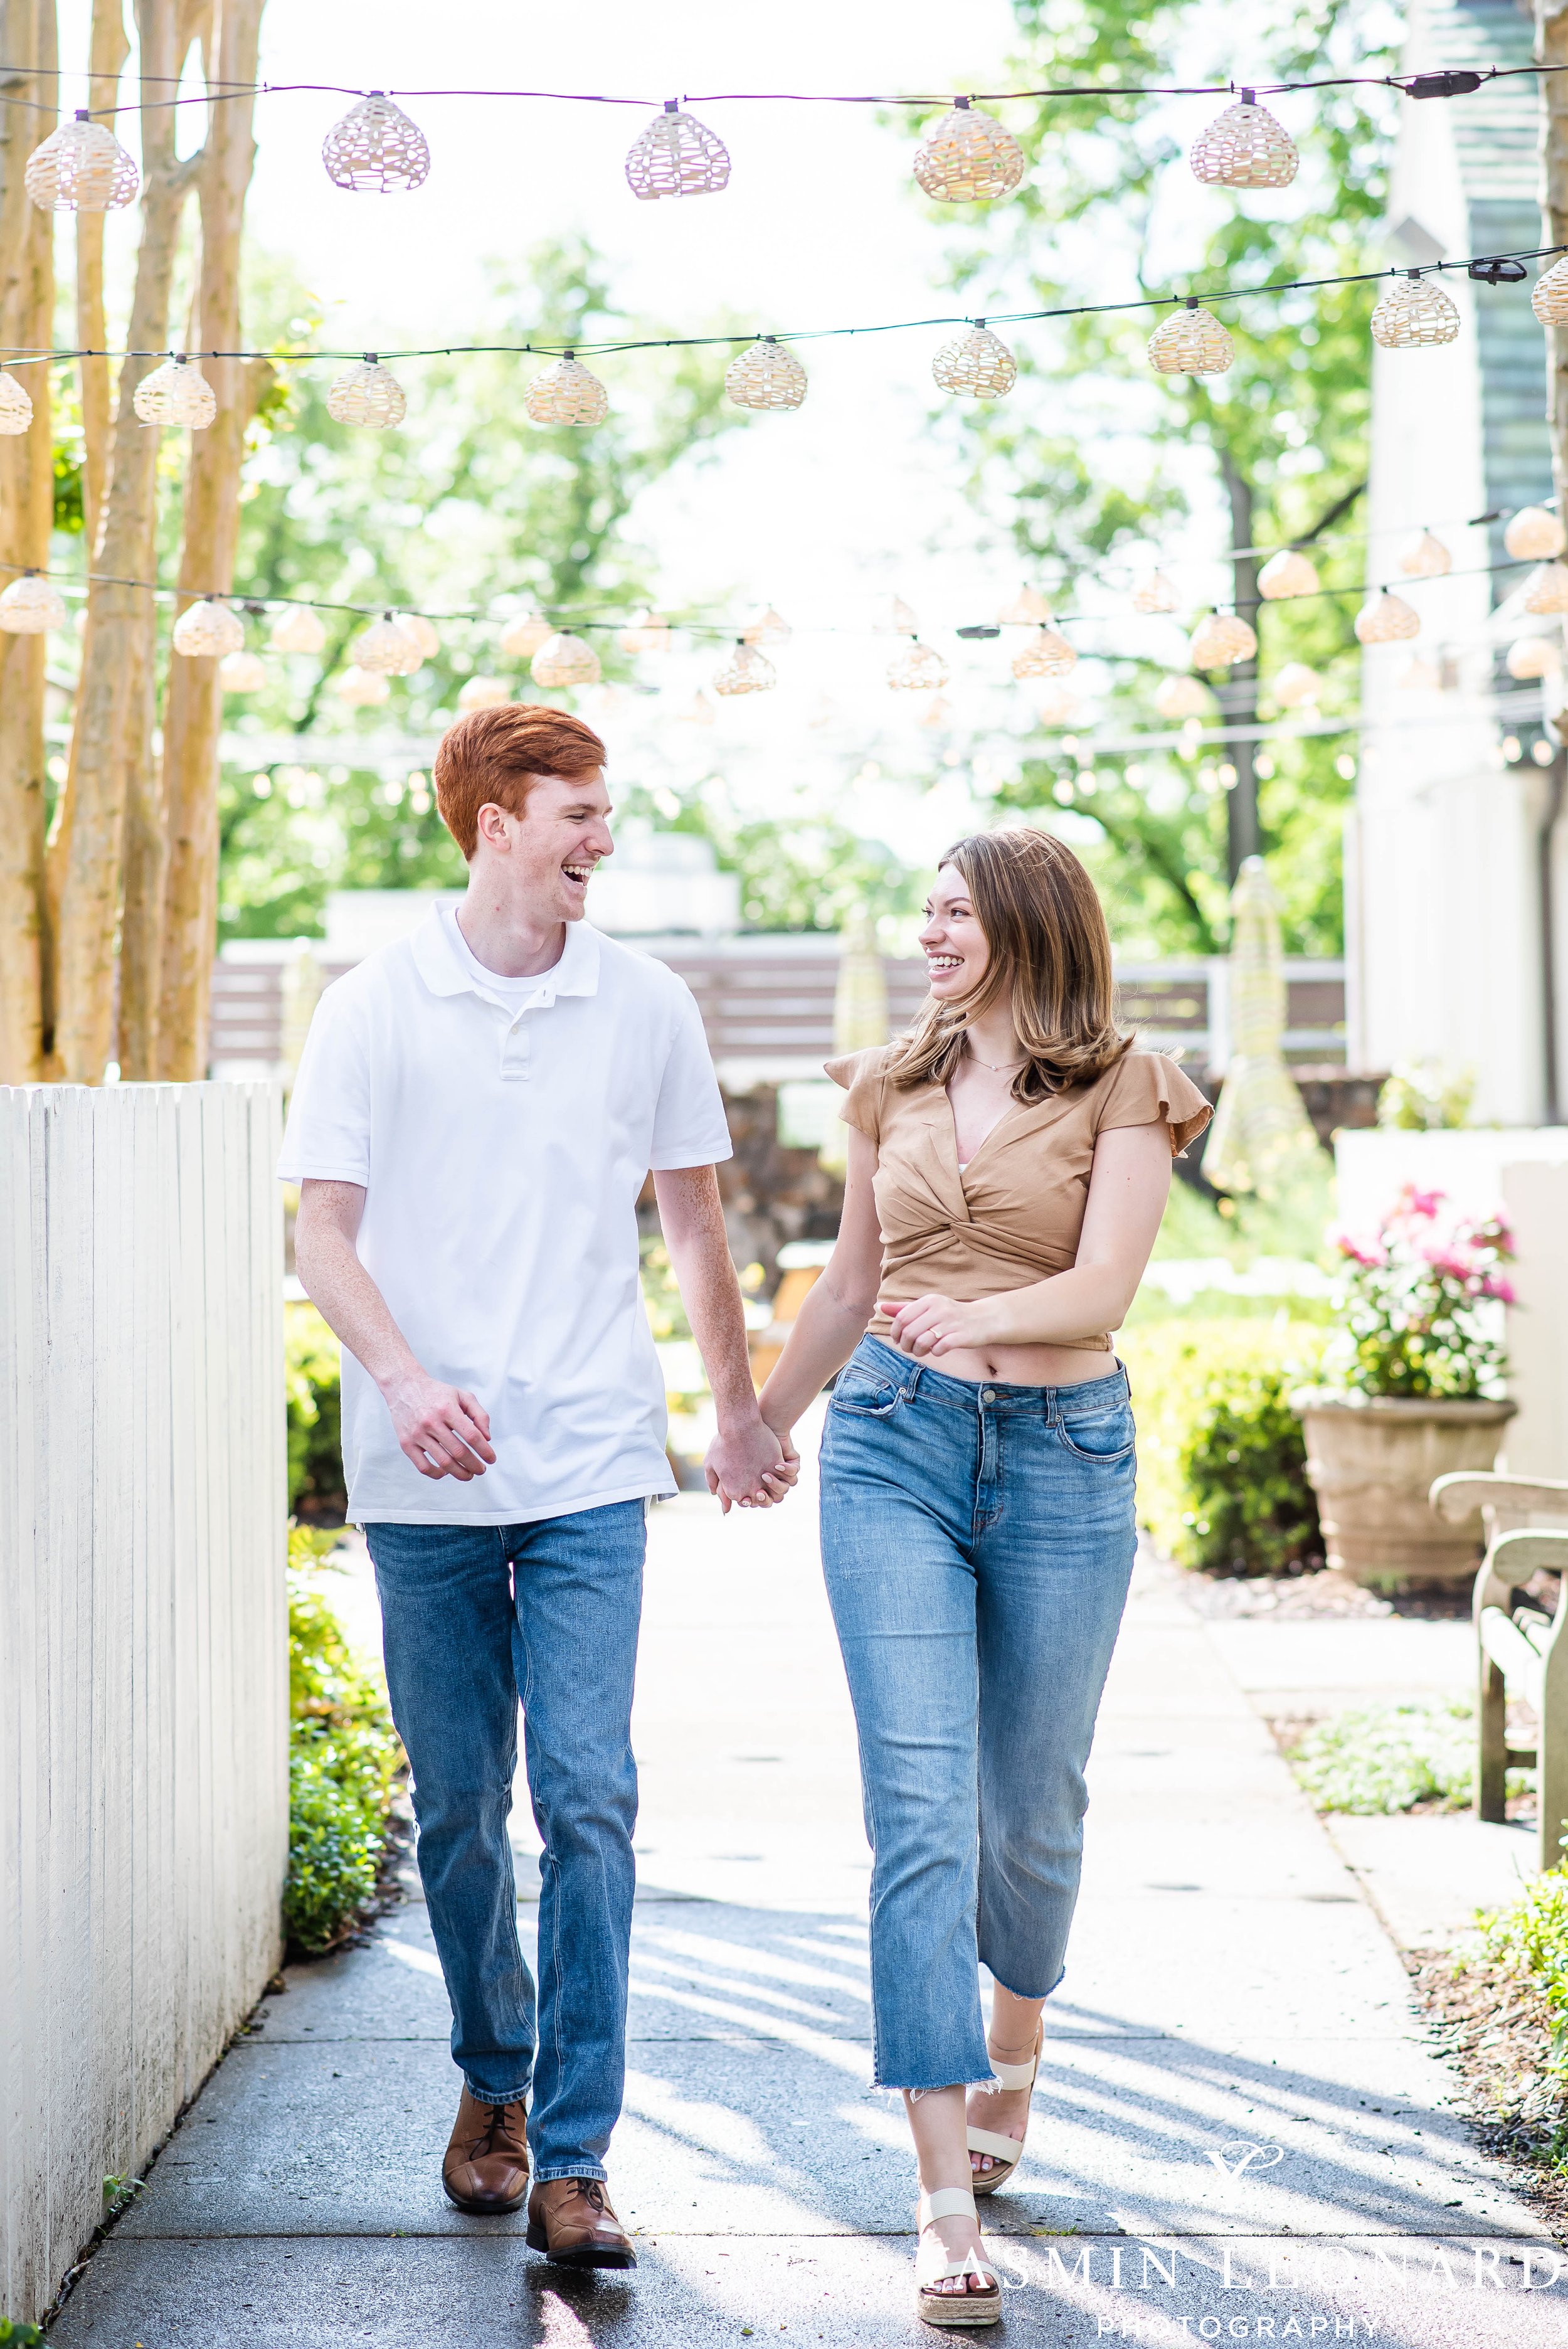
(143, 1629)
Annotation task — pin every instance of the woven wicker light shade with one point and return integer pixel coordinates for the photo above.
(901, 618)
(1028, 609)
(521, 639)
(770, 628)
(1549, 294)
(1386, 619)
(1191, 342)
(176, 393)
(1533, 657)
(649, 633)
(81, 168)
(766, 376)
(481, 693)
(567, 393)
(30, 605)
(918, 670)
(1046, 654)
(1222, 639)
(1534, 535)
(1295, 686)
(677, 155)
(938, 711)
(1246, 148)
(1287, 574)
(1547, 590)
(969, 157)
(16, 406)
(1182, 696)
(1056, 704)
(299, 631)
(979, 365)
(1154, 593)
(375, 149)
(207, 631)
(386, 650)
(745, 671)
(565, 659)
(423, 631)
(699, 711)
(1419, 675)
(363, 689)
(367, 394)
(1415, 313)
(242, 672)
(1426, 558)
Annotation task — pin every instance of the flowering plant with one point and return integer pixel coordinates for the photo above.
(1420, 1303)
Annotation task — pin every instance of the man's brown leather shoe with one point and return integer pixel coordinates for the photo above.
(486, 2167)
(570, 2219)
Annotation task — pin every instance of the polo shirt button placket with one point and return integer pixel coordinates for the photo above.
(515, 1050)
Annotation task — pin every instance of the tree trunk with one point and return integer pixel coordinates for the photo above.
(1551, 49)
(88, 853)
(193, 710)
(1240, 698)
(27, 30)
(107, 54)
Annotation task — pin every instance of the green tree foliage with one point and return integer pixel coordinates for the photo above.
(1095, 460)
(344, 1756)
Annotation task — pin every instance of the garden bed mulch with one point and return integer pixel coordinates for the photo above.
(1495, 2031)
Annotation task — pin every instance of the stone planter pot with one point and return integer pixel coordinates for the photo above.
(1372, 1464)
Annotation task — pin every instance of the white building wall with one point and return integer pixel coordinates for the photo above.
(143, 1629)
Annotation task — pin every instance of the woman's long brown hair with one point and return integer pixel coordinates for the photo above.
(1049, 947)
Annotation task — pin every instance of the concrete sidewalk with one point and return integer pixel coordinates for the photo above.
(1240, 2131)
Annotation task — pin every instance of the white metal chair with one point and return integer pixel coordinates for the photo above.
(1526, 1521)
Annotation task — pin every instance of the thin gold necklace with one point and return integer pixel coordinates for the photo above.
(997, 1068)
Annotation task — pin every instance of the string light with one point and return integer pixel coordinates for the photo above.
(368, 394)
(423, 631)
(16, 406)
(1046, 654)
(1181, 696)
(901, 619)
(969, 157)
(978, 364)
(375, 149)
(1419, 675)
(1287, 574)
(1221, 639)
(1191, 342)
(1534, 535)
(917, 670)
(677, 156)
(1056, 704)
(1246, 148)
(766, 377)
(81, 168)
(1414, 315)
(564, 659)
(1427, 558)
(521, 639)
(241, 672)
(1532, 656)
(699, 711)
(30, 605)
(567, 393)
(1387, 619)
(1154, 593)
(481, 693)
(1549, 294)
(647, 634)
(176, 393)
(1028, 609)
(937, 712)
(299, 631)
(206, 630)
(745, 671)
(1295, 686)
(363, 689)
(386, 650)
(1547, 590)
(770, 628)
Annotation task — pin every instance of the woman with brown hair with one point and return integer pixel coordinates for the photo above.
(1008, 1166)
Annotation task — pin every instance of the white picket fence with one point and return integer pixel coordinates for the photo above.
(143, 1629)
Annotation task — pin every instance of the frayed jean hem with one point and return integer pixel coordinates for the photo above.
(572, 2169)
(486, 2097)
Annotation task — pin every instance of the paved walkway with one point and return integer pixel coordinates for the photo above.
(1240, 2133)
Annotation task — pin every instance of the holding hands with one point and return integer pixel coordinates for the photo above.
(750, 1466)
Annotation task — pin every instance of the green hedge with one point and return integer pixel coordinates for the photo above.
(344, 1758)
(312, 1376)
(1222, 1464)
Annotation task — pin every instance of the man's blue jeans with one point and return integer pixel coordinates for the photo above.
(477, 1618)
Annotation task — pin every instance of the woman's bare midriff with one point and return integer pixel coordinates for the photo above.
(1025, 1366)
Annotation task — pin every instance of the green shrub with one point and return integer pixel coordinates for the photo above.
(1221, 1464)
(312, 1373)
(343, 1757)
(1529, 1940)
(1387, 1758)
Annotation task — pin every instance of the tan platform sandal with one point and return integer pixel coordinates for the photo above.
(952, 2307)
(1007, 2151)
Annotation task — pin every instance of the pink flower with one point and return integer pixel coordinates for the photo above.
(1421, 1207)
(1503, 1291)
(1365, 1252)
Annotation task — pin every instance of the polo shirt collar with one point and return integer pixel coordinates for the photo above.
(577, 972)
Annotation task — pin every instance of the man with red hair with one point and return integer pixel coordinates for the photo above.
(476, 1110)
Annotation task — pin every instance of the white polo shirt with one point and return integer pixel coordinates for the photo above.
(502, 1147)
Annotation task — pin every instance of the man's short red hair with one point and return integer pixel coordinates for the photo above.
(491, 756)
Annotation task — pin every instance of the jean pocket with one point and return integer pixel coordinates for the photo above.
(865, 1393)
(1104, 1436)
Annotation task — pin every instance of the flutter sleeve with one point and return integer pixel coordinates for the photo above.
(861, 1074)
(1148, 1086)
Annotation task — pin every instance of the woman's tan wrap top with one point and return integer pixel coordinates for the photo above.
(1014, 1213)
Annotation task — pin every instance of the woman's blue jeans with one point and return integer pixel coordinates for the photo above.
(978, 1542)
(477, 1618)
